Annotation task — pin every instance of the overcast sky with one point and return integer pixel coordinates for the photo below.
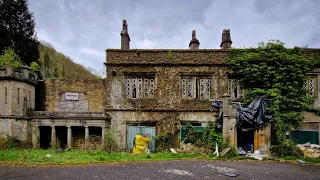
(84, 29)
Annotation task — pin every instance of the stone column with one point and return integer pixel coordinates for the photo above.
(69, 137)
(35, 136)
(86, 137)
(53, 137)
(229, 130)
(103, 135)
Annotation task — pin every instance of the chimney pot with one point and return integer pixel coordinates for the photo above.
(194, 43)
(125, 38)
(226, 39)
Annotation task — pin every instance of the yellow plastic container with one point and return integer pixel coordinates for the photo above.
(141, 143)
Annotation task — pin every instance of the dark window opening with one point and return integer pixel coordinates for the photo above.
(95, 131)
(18, 96)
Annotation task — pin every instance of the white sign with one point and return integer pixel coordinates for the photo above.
(72, 96)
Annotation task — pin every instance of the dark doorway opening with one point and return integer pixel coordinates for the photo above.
(78, 133)
(246, 140)
(62, 136)
(45, 137)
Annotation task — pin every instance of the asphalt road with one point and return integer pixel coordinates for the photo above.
(167, 170)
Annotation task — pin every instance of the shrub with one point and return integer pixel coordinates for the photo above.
(34, 66)
(10, 58)
(12, 142)
(165, 141)
(110, 142)
(286, 149)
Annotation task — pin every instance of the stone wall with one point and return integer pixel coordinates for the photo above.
(19, 129)
(92, 92)
(168, 94)
(167, 56)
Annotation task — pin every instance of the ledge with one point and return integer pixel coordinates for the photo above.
(162, 110)
(23, 74)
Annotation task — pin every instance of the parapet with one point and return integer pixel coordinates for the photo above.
(23, 74)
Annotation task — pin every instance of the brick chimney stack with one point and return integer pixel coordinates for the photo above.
(125, 38)
(194, 43)
(226, 39)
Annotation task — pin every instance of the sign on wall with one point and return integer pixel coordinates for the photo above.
(72, 96)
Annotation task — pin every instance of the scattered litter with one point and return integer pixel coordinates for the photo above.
(241, 151)
(217, 151)
(301, 162)
(232, 174)
(225, 151)
(310, 150)
(48, 155)
(173, 151)
(257, 155)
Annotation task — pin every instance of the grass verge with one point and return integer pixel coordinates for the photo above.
(32, 157)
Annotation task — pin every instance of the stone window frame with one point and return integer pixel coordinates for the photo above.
(235, 88)
(142, 83)
(310, 85)
(191, 86)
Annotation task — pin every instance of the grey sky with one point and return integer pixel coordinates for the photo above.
(83, 29)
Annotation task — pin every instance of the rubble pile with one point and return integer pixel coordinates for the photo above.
(310, 150)
(192, 149)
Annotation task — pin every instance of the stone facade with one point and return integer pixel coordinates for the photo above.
(162, 88)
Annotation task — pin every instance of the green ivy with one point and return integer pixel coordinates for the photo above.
(278, 72)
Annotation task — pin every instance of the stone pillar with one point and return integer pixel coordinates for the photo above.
(229, 130)
(35, 136)
(194, 43)
(86, 137)
(125, 38)
(103, 135)
(69, 139)
(226, 39)
(53, 137)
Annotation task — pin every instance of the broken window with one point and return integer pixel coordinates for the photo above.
(235, 88)
(140, 87)
(196, 87)
(309, 85)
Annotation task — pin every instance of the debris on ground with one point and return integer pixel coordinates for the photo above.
(173, 151)
(48, 155)
(192, 149)
(241, 151)
(217, 151)
(310, 150)
(232, 174)
(256, 155)
(225, 151)
(301, 162)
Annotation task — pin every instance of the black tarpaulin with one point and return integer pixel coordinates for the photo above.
(254, 115)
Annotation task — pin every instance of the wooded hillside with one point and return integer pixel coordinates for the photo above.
(54, 64)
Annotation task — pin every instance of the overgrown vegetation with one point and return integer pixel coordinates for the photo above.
(207, 138)
(286, 149)
(110, 142)
(278, 72)
(10, 142)
(165, 141)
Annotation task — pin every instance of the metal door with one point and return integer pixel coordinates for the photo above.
(132, 131)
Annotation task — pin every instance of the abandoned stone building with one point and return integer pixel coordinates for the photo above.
(145, 90)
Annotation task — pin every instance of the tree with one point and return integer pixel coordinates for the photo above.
(17, 30)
